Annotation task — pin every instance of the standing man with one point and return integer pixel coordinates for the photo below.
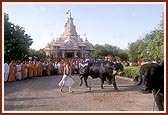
(30, 69)
(23, 69)
(66, 78)
(49, 68)
(39, 69)
(44, 68)
(12, 71)
(6, 71)
(18, 73)
(34, 69)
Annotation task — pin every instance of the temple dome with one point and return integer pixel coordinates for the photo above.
(69, 40)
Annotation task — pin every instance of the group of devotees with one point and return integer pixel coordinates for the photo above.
(17, 70)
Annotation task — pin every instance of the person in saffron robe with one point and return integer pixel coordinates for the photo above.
(49, 67)
(39, 70)
(23, 69)
(34, 69)
(30, 69)
(12, 71)
(27, 70)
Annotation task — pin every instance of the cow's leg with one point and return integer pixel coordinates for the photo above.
(81, 81)
(114, 83)
(159, 99)
(102, 82)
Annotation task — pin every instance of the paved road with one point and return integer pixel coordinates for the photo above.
(42, 94)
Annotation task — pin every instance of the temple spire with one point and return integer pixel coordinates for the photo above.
(69, 13)
(69, 28)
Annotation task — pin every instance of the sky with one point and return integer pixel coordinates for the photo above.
(116, 24)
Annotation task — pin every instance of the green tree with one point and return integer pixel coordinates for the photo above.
(123, 56)
(137, 50)
(16, 42)
(156, 45)
(41, 53)
(106, 49)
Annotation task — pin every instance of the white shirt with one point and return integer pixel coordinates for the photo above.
(6, 68)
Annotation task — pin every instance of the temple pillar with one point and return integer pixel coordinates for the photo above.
(91, 53)
(56, 54)
(82, 54)
(63, 54)
(75, 52)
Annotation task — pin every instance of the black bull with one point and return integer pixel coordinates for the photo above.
(152, 78)
(102, 70)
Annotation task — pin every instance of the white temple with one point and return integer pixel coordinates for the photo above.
(69, 44)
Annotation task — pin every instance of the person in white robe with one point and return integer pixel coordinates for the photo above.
(6, 71)
(18, 68)
(59, 68)
(67, 79)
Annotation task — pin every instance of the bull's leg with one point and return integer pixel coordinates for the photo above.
(85, 79)
(159, 99)
(114, 83)
(102, 82)
(81, 81)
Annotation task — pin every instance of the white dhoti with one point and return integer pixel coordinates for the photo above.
(66, 81)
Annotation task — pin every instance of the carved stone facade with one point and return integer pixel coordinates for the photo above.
(69, 44)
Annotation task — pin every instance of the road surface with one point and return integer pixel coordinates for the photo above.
(42, 94)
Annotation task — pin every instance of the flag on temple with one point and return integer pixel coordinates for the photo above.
(68, 12)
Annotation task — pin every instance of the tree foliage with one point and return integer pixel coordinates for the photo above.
(154, 41)
(156, 45)
(137, 50)
(40, 53)
(106, 49)
(16, 42)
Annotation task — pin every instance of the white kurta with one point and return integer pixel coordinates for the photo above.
(6, 72)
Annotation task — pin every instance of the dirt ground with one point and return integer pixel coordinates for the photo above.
(42, 94)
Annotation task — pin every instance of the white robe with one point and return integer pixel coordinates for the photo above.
(18, 74)
(59, 68)
(6, 72)
(66, 79)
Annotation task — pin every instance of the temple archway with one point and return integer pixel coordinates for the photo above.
(69, 54)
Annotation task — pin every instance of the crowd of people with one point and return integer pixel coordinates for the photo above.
(17, 70)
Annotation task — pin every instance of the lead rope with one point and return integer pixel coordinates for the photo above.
(155, 99)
